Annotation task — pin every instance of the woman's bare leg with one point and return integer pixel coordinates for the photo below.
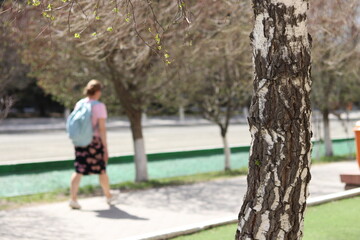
(104, 182)
(74, 187)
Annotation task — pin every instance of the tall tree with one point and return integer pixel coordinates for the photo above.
(222, 70)
(279, 164)
(13, 73)
(120, 36)
(214, 64)
(219, 97)
(335, 27)
(222, 87)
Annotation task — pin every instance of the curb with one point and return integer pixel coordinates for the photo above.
(333, 197)
(189, 229)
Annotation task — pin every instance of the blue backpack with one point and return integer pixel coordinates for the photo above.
(79, 123)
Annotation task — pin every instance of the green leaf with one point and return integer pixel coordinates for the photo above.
(94, 34)
(109, 29)
(166, 55)
(157, 38)
(36, 3)
(181, 5)
(127, 19)
(159, 47)
(49, 7)
(97, 18)
(77, 35)
(115, 10)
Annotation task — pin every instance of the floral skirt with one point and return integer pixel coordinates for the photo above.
(90, 159)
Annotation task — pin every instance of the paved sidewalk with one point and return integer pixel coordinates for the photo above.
(148, 211)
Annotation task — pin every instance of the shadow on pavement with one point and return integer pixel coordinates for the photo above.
(115, 213)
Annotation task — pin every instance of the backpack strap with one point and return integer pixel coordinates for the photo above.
(93, 103)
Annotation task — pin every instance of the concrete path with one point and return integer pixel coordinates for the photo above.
(148, 211)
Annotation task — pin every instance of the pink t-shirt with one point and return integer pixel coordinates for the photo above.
(98, 111)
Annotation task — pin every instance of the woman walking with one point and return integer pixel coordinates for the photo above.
(93, 158)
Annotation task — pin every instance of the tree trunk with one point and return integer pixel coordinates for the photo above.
(246, 112)
(327, 137)
(66, 113)
(279, 164)
(144, 118)
(139, 147)
(181, 114)
(132, 107)
(6, 103)
(227, 152)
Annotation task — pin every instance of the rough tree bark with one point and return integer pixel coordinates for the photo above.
(279, 164)
(327, 136)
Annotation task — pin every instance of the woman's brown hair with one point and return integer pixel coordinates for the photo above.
(92, 87)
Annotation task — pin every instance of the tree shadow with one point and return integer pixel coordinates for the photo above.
(115, 213)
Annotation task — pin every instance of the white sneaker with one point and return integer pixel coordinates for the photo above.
(114, 196)
(74, 204)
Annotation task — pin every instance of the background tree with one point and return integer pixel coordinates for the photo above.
(213, 64)
(280, 151)
(61, 69)
(335, 27)
(117, 44)
(221, 72)
(12, 71)
(219, 99)
(223, 85)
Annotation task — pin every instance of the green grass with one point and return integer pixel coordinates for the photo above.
(334, 221)
(90, 190)
(325, 159)
(338, 220)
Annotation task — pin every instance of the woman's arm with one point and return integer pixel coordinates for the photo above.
(102, 131)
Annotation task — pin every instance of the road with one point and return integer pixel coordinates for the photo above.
(47, 146)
